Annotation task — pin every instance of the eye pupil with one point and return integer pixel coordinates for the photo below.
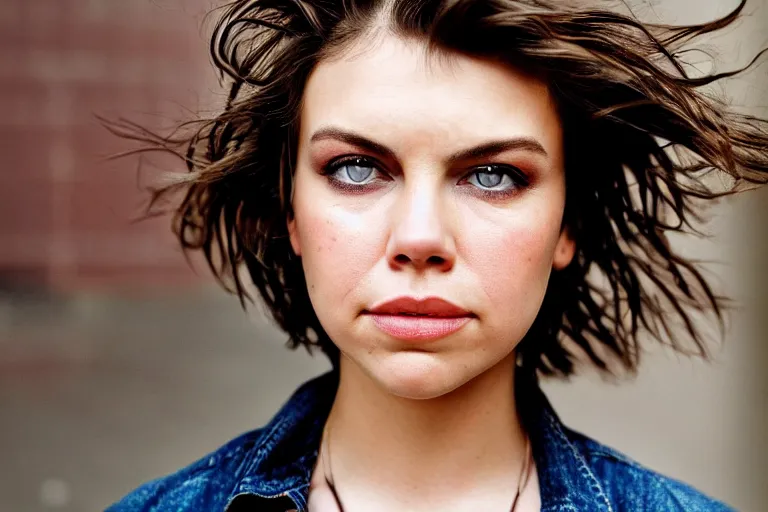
(489, 178)
(358, 171)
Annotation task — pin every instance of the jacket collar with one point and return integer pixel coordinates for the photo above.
(566, 481)
(279, 465)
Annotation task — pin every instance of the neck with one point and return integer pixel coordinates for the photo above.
(465, 441)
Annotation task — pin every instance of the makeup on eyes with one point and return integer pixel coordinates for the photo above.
(475, 177)
(516, 161)
(350, 186)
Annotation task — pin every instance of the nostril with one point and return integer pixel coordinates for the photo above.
(402, 259)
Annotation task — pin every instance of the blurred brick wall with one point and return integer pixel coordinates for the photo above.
(65, 213)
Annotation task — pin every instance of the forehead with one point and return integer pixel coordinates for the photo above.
(391, 88)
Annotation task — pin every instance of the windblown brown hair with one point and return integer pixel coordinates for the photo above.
(641, 137)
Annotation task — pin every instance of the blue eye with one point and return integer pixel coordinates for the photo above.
(496, 178)
(357, 174)
(352, 171)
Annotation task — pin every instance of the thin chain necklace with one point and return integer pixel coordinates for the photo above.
(522, 481)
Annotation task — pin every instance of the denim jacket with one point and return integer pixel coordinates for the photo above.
(269, 469)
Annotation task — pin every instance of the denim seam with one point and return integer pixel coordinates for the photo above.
(606, 454)
(583, 468)
(297, 495)
(254, 452)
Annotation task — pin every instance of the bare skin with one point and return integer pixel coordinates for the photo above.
(426, 425)
(493, 467)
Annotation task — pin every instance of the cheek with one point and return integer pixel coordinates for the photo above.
(337, 252)
(512, 261)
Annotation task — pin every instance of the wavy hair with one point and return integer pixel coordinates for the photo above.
(641, 136)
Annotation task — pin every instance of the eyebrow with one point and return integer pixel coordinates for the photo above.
(485, 150)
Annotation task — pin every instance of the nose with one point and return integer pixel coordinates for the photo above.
(420, 238)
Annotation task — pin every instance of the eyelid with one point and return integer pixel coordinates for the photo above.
(337, 162)
(520, 178)
(513, 171)
(334, 165)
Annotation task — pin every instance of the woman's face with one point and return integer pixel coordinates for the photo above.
(430, 180)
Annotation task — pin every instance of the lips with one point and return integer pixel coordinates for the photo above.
(430, 306)
(411, 319)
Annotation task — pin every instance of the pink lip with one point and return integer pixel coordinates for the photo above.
(408, 318)
(418, 328)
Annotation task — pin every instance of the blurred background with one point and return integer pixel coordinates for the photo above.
(119, 363)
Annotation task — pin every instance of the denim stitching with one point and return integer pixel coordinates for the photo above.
(583, 469)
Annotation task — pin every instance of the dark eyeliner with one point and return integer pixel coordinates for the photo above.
(335, 164)
(520, 180)
(510, 170)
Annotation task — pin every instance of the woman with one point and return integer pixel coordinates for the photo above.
(449, 199)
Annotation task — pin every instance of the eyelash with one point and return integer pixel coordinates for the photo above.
(518, 177)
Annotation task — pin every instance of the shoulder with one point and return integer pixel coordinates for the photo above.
(267, 462)
(206, 484)
(630, 486)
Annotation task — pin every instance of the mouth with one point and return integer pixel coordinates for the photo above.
(412, 306)
(412, 319)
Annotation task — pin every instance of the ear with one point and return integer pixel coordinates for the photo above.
(294, 236)
(564, 250)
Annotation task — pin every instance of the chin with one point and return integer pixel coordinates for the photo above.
(419, 375)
